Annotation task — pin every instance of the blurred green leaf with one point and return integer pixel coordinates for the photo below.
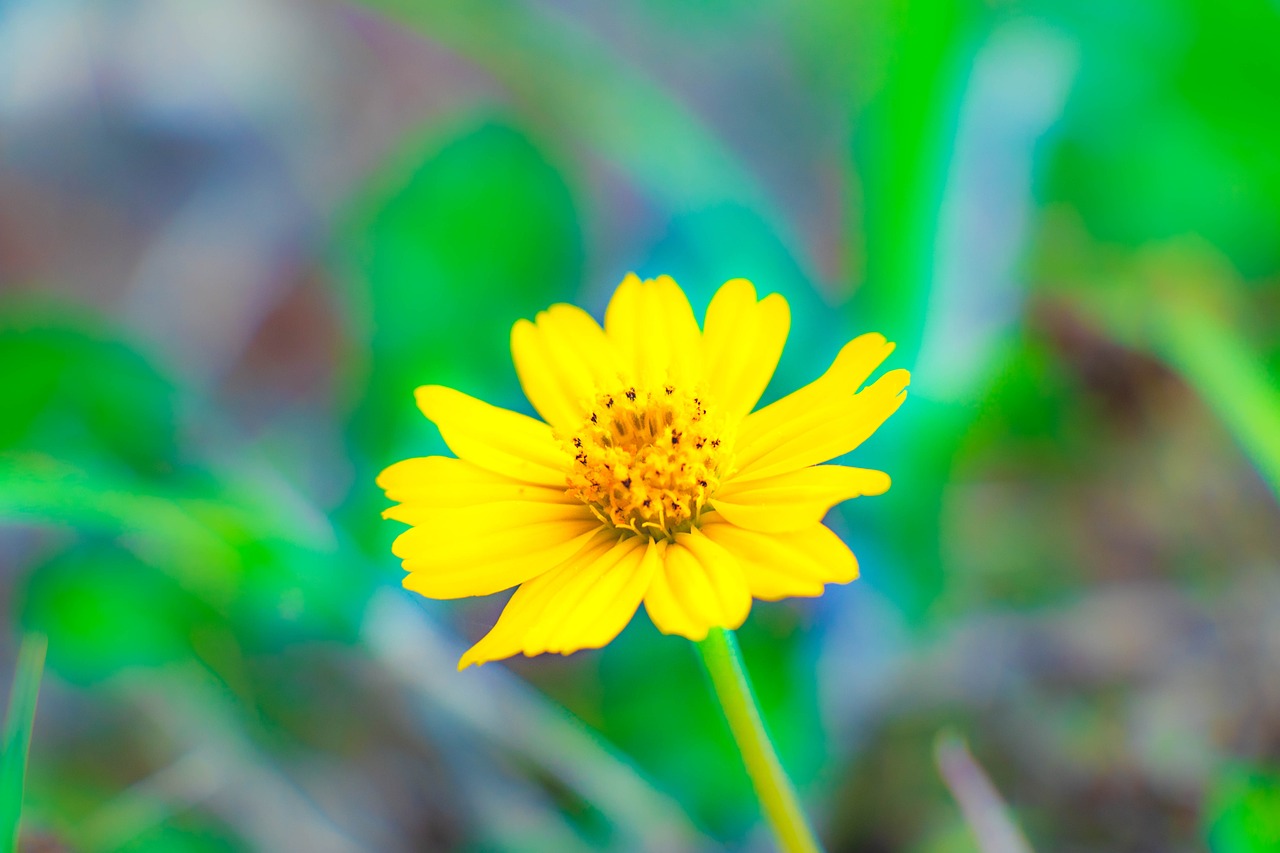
(18, 722)
(1243, 812)
(81, 392)
(1165, 134)
(205, 837)
(159, 528)
(456, 242)
(194, 554)
(107, 610)
(903, 151)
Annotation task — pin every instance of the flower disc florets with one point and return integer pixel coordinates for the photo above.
(647, 461)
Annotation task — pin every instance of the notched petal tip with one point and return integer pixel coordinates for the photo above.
(778, 302)
(743, 340)
(859, 358)
(899, 378)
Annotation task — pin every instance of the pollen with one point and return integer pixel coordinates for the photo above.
(648, 461)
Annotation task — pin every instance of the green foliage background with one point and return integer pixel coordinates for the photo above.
(234, 239)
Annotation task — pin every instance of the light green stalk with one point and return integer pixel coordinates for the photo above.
(778, 798)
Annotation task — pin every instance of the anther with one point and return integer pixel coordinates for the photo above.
(643, 466)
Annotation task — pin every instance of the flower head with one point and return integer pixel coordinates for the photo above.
(651, 480)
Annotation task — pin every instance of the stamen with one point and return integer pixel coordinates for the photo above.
(650, 467)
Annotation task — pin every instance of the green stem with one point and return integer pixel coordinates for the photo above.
(778, 799)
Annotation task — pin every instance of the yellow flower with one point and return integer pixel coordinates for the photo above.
(650, 481)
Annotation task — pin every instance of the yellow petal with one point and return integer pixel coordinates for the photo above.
(783, 565)
(743, 341)
(442, 481)
(480, 519)
(581, 604)
(621, 323)
(700, 586)
(563, 360)
(796, 499)
(495, 439)
(654, 332)
(825, 432)
(453, 553)
(855, 362)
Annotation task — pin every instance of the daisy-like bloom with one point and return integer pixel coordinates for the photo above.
(651, 479)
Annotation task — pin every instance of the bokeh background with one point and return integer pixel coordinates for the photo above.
(234, 236)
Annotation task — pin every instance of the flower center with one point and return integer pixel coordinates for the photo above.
(647, 461)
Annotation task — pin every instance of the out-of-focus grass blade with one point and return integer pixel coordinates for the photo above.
(985, 812)
(17, 735)
(1184, 303)
(1229, 377)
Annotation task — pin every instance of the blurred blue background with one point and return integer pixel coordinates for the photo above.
(235, 236)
